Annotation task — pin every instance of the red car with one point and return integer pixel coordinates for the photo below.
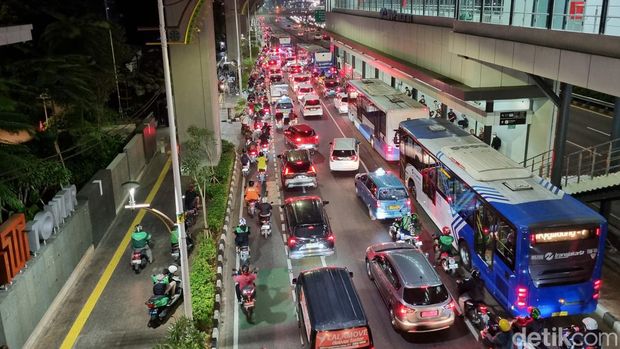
(302, 136)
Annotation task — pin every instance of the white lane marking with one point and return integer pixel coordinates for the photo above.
(593, 112)
(236, 306)
(599, 131)
(323, 263)
(341, 132)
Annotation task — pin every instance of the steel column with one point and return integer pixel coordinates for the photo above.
(561, 130)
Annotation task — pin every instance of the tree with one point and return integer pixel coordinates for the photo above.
(197, 161)
(183, 334)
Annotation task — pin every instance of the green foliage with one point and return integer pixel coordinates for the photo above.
(183, 334)
(95, 150)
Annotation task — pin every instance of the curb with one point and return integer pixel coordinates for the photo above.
(219, 279)
(608, 318)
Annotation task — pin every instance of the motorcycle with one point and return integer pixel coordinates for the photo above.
(251, 207)
(262, 177)
(265, 224)
(190, 218)
(245, 170)
(244, 254)
(175, 251)
(397, 235)
(448, 263)
(138, 260)
(160, 306)
(248, 297)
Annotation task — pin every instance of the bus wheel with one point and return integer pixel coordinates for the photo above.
(464, 254)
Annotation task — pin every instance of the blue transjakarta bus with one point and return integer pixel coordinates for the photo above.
(533, 244)
(376, 109)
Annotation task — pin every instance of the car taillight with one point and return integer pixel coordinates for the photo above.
(402, 310)
(334, 158)
(598, 231)
(408, 202)
(312, 170)
(331, 238)
(287, 171)
(521, 297)
(292, 242)
(298, 139)
(597, 289)
(316, 138)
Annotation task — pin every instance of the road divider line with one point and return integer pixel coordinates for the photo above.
(323, 262)
(93, 298)
(599, 131)
(341, 132)
(237, 265)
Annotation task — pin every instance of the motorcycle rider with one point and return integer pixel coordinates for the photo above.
(251, 193)
(503, 338)
(405, 221)
(243, 280)
(164, 283)
(261, 162)
(587, 336)
(531, 323)
(264, 136)
(245, 159)
(242, 233)
(444, 243)
(140, 241)
(264, 208)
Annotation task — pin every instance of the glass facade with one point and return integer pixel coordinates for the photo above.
(592, 16)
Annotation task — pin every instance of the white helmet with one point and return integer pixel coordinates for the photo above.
(172, 269)
(590, 324)
(263, 200)
(242, 221)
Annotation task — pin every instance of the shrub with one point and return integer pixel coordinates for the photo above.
(183, 334)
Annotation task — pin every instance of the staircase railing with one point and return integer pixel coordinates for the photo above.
(598, 160)
(540, 164)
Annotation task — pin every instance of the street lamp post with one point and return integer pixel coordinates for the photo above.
(238, 49)
(176, 173)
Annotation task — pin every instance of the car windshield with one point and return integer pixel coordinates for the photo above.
(425, 295)
(313, 102)
(297, 155)
(284, 106)
(343, 153)
(392, 193)
(301, 79)
(276, 78)
(331, 83)
(344, 99)
(311, 230)
(305, 89)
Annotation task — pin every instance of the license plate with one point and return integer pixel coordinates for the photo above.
(312, 245)
(394, 207)
(559, 313)
(136, 261)
(153, 312)
(305, 146)
(301, 177)
(432, 313)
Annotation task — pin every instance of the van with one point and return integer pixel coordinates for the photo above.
(344, 154)
(329, 310)
(383, 193)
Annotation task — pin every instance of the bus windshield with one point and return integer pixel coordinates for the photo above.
(562, 256)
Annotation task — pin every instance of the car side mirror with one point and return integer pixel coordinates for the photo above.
(351, 274)
(325, 202)
(294, 281)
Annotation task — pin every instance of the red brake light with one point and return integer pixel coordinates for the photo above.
(312, 169)
(598, 231)
(378, 204)
(297, 139)
(150, 305)
(316, 138)
(532, 239)
(292, 242)
(331, 238)
(521, 296)
(597, 284)
(286, 171)
(408, 202)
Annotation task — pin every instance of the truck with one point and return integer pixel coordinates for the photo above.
(320, 59)
(277, 90)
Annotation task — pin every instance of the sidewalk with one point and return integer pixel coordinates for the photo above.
(609, 303)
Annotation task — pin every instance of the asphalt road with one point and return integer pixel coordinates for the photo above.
(587, 128)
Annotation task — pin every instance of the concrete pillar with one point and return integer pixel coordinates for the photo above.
(194, 81)
(231, 30)
(615, 127)
(560, 133)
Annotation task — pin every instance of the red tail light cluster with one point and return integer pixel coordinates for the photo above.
(312, 170)
(521, 297)
(597, 289)
(298, 139)
(292, 242)
(331, 238)
(402, 311)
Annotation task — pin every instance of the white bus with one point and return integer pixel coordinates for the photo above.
(377, 111)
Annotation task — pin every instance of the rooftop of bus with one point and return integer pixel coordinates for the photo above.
(519, 195)
(384, 96)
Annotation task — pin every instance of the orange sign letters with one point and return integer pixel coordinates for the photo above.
(14, 247)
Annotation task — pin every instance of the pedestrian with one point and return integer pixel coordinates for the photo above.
(407, 91)
(496, 142)
(423, 101)
(481, 133)
(451, 115)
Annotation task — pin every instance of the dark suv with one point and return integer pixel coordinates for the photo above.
(297, 169)
(307, 226)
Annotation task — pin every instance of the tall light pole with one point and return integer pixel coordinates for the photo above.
(238, 48)
(118, 91)
(249, 32)
(176, 172)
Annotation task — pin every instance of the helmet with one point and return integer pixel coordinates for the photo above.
(242, 221)
(534, 313)
(263, 200)
(445, 231)
(504, 325)
(261, 154)
(138, 227)
(251, 183)
(590, 324)
(245, 269)
(475, 273)
(172, 269)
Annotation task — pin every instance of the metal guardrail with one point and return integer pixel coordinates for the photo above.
(598, 160)
(593, 101)
(540, 164)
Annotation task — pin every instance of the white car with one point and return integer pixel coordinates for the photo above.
(299, 79)
(303, 90)
(344, 154)
(311, 106)
(341, 102)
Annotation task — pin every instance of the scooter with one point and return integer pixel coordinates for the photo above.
(252, 208)
(175, 251)
(244, 254)
(160, 306)
(248, 297)
(262, 177)
(448, 263)
(138, 260)
(265, 225)
(245, 170)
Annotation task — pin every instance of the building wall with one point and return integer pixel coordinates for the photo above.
(194, 80)
(28, 298)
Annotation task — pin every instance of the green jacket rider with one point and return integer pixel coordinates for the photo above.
(140, 241)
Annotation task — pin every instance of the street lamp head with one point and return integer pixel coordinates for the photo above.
(131, 187)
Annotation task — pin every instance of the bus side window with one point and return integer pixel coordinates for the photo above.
(429, 182)
(445, 182)
(485, 230)
(506, 243)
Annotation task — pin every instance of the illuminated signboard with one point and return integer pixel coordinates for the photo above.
(557, 236)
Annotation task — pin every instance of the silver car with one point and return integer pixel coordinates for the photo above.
(408, 284)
